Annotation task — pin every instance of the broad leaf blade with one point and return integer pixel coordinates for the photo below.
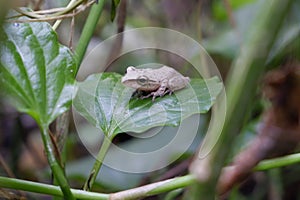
(36, 73)
(106, 103)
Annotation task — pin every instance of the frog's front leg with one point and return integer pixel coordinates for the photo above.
(162, 90)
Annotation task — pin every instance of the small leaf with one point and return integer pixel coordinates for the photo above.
(107, 104)
(36, 72)
(114, 5)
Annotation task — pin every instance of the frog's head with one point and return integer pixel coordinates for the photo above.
(139, 79)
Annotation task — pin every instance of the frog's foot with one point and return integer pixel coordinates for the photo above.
(146, 96)
(168, 91)
(153, 94)
(160, 94)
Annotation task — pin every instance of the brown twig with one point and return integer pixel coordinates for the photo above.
(72, 26)
(9, 173)
(45, 15)
(44, 19)
(6, 168)
(37, 5)
(229, 13)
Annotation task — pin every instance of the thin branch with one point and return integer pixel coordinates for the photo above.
(154, 188)
(47, 189)
(57, 13)
(9, 172)
(230, 13)
(38, 4)
(57, 23)
(72, 26)
(46, 18)
(49, 11)
(71, 7)
(6, 167)
(28, 14)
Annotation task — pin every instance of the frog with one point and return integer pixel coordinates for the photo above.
(156, 82)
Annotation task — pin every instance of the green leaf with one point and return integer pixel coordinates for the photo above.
(219, 8)
(114, 5)
(36, 72)
(107, 104)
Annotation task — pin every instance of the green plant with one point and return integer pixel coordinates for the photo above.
(37, 76)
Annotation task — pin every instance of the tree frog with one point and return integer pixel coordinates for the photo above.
(156, 82)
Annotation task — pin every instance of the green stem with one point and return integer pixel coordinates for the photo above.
(139, 192)
(87, 32)
(155, 188)
(54, 165)
(98, 163)
(184, 181)
(173, 184)
(278, 162)
(48, 189)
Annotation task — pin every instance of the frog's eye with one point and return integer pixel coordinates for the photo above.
(142, 80)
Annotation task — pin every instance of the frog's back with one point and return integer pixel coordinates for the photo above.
(167, 72)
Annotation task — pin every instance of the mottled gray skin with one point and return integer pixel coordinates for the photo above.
(156, 81)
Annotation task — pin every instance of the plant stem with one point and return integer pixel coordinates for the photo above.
(47, 189)
(139, 192)
(173, 184)
(87, 32)
(54, 165)
(98, 163)
(155, 188)
(147, 190)
(57, 23)
(278, 162)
